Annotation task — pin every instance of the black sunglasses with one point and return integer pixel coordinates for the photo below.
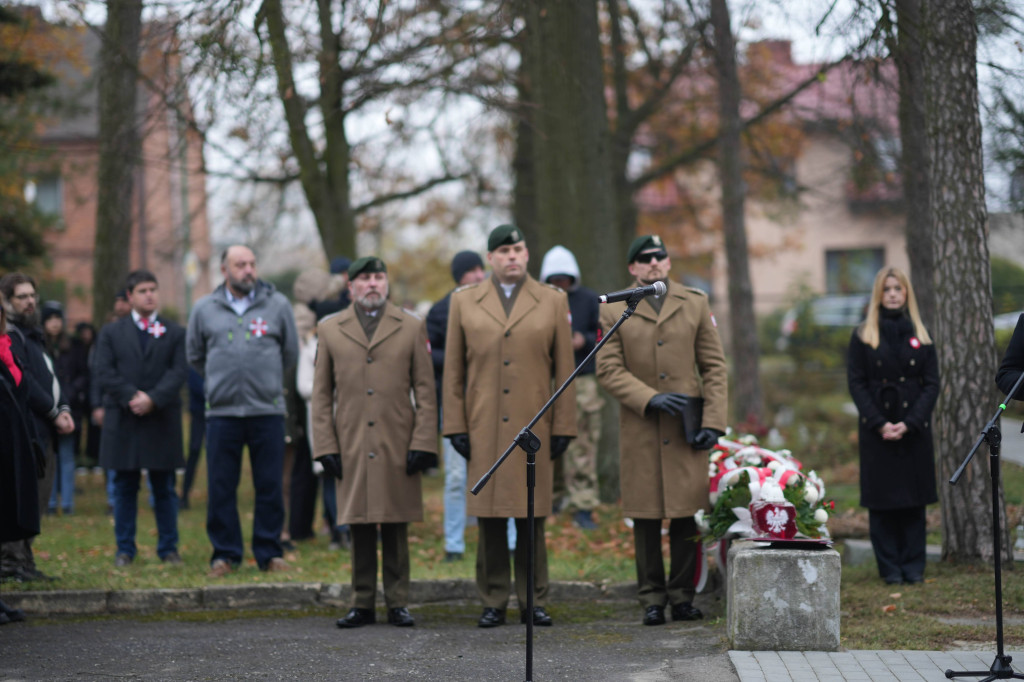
(648, 257)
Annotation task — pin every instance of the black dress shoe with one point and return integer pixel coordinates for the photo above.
(401, 617)
(491, 618)
(654, 615)
(686, 611)
(357, 618)
(540, 617)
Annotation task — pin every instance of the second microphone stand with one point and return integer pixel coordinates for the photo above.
(530, 444)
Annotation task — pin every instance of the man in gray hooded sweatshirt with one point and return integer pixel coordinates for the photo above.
(242, 338)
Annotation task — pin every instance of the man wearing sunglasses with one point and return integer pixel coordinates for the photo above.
(668, 352)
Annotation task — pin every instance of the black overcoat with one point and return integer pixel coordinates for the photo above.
(19, 501)
(1013, 362)
(898, 381)
(121, 367)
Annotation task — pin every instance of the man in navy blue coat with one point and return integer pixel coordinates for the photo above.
(140, 368)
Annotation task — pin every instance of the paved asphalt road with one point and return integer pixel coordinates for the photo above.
(608, 643)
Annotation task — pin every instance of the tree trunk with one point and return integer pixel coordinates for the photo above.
(965, 340)
(118, 151)
(747, 400)
(915, 154)
(575, 205)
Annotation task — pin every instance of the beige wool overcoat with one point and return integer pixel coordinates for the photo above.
(498, 372)
(386, 406)
(676, 351)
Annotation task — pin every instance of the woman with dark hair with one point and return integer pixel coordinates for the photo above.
(19, 495)
(893, 375)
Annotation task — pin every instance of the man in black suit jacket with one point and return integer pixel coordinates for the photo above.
(140, 368)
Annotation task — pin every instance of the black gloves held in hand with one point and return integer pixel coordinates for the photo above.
(673, 403)
(331, 465)
(559, 445)
(418, 460)
(706, 439)
(460, 441)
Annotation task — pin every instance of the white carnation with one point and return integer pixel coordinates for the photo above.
(820, 515)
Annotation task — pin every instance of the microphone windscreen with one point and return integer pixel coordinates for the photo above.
(660, 288)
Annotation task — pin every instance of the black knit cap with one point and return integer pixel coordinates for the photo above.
(643, 243)
(366, 264)
(502, 235)
(463, 262)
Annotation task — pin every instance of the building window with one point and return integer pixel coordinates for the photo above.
(852, 271)
(46, 193)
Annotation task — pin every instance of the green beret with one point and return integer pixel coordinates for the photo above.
(502, 235)
(643, 243)
(366, 264)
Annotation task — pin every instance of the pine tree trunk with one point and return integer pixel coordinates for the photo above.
(965, 340)
(118, 151)
(747, 400)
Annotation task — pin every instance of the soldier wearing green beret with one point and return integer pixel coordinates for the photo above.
(507, 341)
(669, 349)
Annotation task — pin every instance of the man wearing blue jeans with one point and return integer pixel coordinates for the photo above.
(140, 368)
(241, 338)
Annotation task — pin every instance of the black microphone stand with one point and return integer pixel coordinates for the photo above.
(1001, 668)
(530, 444)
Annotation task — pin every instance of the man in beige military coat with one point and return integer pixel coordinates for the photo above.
(370, 358)
(669, 347)
(509, 345)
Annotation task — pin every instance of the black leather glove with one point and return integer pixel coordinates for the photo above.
(460, 441)
(331, 464)
(706, 439)
(418, 460)
(673, 403)
(559, 445)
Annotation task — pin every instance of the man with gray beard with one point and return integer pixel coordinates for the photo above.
(241, 338)
(51, 414)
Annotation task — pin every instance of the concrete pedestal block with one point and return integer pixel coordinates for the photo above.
(782, 599)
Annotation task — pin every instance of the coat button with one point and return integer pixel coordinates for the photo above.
(507, 362)
(886, 406)
(878, 362)
(904, 404)
(372, 455)
(508, 334)
(902, 379)
(369, 391)
(913, 362)
(369, 423)
(660, 342)
(504, 390)
(368, 360)
(505, 418)
(662, 375)
(665, 442)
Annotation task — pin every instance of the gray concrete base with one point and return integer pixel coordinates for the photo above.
(782, 599)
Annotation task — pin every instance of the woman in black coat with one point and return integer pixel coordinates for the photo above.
(893, 377)
(19, 458)
(1013, 362)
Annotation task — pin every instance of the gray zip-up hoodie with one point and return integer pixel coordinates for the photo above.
(243, 358)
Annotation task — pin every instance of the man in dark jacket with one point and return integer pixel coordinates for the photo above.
(467, 268)
(51, 414)
(140, 368)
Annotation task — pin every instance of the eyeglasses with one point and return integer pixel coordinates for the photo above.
(648, 257)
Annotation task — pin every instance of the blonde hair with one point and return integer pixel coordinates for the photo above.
(868, 330)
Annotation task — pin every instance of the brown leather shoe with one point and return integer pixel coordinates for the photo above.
(219, 568)
(276, 565)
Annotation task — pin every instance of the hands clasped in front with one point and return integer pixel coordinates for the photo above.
(892, 431)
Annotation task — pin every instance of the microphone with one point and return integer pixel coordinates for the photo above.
(657, 289)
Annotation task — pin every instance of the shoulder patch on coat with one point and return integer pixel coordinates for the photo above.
(411, 314)
(695, 290)
(465, 287)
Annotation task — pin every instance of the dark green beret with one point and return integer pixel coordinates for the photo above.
(502, 235)
(643, 243)
(366, 264)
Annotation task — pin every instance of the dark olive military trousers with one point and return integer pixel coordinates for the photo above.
(653, 589)
(493, 574)
(394, 541)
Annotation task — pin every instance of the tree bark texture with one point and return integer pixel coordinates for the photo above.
(915, 160)
(119, 151)
(747, 400)
(575, 202)
(965, 340)
(325, 181)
